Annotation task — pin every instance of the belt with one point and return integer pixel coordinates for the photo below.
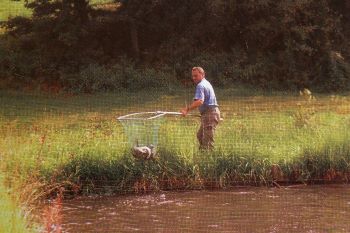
(211, 110)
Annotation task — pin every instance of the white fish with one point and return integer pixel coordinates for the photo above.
(143, 152)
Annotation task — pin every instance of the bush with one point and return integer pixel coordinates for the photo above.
(121, 76)
(145, 78)
(269, 44)
(95, 78)
(17, 68)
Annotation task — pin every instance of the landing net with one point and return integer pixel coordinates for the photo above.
(142, 128)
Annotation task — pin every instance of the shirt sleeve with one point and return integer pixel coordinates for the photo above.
(199, 95)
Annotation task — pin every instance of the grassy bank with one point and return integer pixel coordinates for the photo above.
(76, 143)
(10, 8)
(13, 219)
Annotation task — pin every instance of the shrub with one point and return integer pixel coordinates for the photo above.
(121, 76)
(95, 78)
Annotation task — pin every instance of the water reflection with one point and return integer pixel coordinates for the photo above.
(291, 209)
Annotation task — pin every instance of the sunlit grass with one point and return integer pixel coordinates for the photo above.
(77, 140)
(13, 219)
(13, 8)
(9, 8)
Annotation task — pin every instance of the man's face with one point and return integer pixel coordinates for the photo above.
(197, 76)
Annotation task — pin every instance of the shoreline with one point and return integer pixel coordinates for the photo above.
(279, 185)
(76, 144)
(144, 176)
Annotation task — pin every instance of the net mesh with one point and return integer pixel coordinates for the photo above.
(142, 129)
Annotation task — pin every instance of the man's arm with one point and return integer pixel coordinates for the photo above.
(195, 104)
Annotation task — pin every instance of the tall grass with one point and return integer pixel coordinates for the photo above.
(13, 219)
(76, 143)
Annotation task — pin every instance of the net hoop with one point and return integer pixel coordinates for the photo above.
(157, 114)
(138, 116)
(142, 128)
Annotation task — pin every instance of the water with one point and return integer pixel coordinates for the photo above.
(291, 209)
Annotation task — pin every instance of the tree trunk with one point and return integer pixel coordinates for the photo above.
(134, 39)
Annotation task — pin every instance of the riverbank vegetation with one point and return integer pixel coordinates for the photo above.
(69, 67)
(13, 219)
(76, 143)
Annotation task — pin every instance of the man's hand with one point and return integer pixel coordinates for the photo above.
(195, 104)
(184, 111)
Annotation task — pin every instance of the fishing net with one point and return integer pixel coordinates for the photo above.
(142, 128)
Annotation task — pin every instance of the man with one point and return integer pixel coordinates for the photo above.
(205, 100)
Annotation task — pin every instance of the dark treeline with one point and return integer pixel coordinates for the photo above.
(131, 44)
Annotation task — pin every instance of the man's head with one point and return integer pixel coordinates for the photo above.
(197, 74)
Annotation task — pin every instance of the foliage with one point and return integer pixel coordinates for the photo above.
(266, 43)
(122, 76)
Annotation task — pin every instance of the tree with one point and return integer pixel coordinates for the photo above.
(272, 44)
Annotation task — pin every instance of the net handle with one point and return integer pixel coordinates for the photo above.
(159, 114)
(128, 116)
(177, 113)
